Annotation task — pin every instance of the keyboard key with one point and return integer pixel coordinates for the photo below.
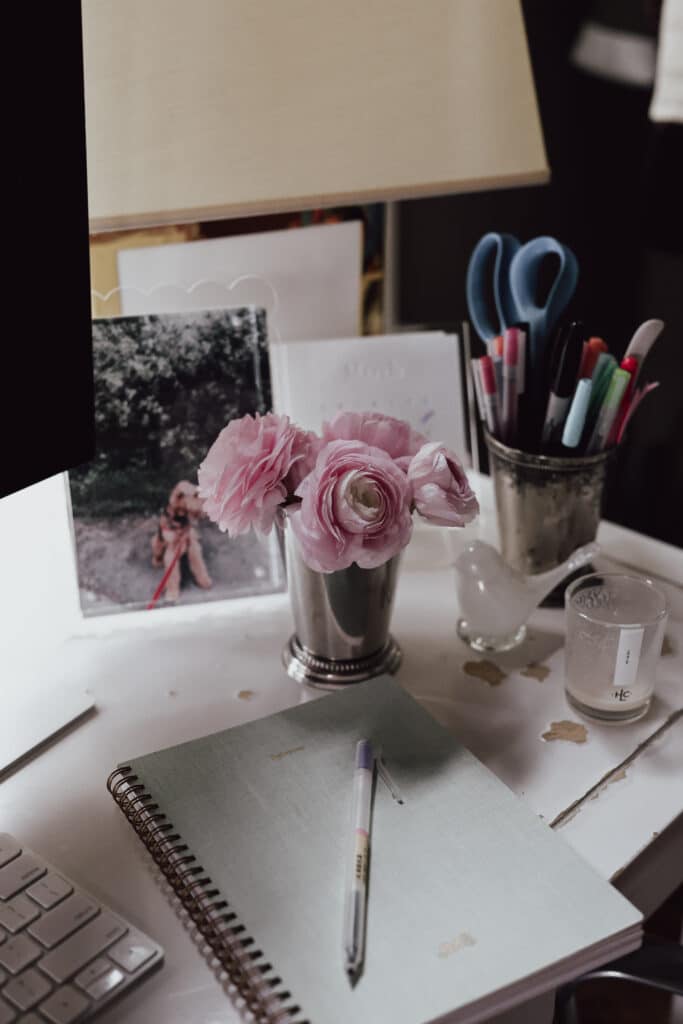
(64, 919)
(65, 1005)
(17, 913)
(9, 848)
(49, 890)
(93, 971)
(69, 958)
(18, 952)
(31, 1018)
(107, 983)
(7, 1014)
(19, 873)
(131, 952)
(27, 990)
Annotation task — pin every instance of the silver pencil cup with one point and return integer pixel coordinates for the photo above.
(341, 621)
(546, 506)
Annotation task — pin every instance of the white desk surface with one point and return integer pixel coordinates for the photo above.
(178, 674)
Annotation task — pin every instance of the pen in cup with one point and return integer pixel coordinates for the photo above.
(490, 395)
(566, 362)
(497, 356)
(478, 390)
(608, 412)
(510, 364)
(576, 417)
(592, 349)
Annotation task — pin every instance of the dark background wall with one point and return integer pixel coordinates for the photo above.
(615, 198)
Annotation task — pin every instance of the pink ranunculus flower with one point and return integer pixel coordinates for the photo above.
(253, 466)
(441, 492)
(396, 437)
(355, 507)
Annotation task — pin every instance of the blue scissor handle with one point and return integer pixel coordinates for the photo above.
(488, 279)
(524, 273)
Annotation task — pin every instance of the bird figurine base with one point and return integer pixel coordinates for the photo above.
(495, 601)
(489, 644)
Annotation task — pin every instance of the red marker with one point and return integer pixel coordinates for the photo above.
(591, 352)
(488, 382)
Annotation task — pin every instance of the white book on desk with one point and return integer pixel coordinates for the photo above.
(414, 376)
(474, 904)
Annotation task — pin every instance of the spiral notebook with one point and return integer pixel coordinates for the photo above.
(474, 904)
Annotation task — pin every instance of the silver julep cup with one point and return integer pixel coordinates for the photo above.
(341, 621)
(546, 506)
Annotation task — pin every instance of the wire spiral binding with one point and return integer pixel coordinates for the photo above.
(248, 970)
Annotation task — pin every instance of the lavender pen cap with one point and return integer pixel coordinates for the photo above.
(365, 756)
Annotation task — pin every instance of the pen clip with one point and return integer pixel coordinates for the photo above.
(387, 779)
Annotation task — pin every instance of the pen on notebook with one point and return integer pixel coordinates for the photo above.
(490, 394)
(355, 900)
(567, 360)
(608, 412)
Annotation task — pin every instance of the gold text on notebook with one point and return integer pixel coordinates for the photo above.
(455, 945)
(285, 753)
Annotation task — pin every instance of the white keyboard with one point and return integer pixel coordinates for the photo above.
(63, 954)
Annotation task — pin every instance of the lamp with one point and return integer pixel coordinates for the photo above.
(205, 110)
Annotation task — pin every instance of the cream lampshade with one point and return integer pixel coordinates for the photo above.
(216, 108)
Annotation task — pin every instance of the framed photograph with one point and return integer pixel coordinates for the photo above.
(165, 385)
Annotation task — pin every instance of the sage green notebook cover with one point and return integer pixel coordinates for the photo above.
(474, 904)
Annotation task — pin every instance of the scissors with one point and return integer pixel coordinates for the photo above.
(503, 283)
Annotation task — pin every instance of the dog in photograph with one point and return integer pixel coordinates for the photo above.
(177, 536)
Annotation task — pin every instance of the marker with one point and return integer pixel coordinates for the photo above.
(522, 329)
(602, 374)
(592, 349)
(497, 356)
(630, 364)
(510, 362)
(610, 408)
(490, 395)
(566, 361)
(576, 417)
(478, 389)
(356, 893)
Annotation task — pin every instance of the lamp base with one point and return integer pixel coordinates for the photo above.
(335, 674)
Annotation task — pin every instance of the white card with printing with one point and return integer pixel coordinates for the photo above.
(413, 376)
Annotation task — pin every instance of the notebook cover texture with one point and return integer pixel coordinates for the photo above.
(474, 904)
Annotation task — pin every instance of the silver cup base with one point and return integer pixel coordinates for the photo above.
(489, 644)
(333, 674)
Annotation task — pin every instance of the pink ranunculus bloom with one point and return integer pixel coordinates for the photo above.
(251, 469)
(441, 492)
(394, 436)
(355, 507)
